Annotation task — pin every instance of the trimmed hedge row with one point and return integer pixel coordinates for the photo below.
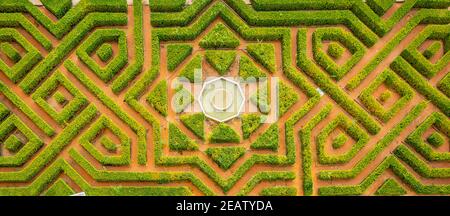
(250, 122)
(268, 140)
(166, 6)
(58, 7)
(264, 53)
(97, 39)
(219, 37)
(192, 70)
(419, 60)
(41, 95)
(138, 129)
(222, 133)
(221, 60)
(380, 146)
(105, 52)
(247, 69)
(159, 99)
(10, 52)
(23, 151)
(414, 78)
(392, 81)
(423, 16)
(279, 191)
(25, 63)
(350, 128)
(177, 53)
(195, 123)
(338, 95)
(287, 97)
(44, 126)
(336, 34)
(442, 124)
(94, 131)
(178, 141)
(69, 42)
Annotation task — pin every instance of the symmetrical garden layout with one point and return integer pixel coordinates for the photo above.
(90, 97)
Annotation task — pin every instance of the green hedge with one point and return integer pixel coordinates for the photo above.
(10, 52)
(268, 140)
(195, 123)
(351, 129)
(264, 54)
(392, 81)
(221, 60)
(41, 95)
(166, 6)
(327, 85)
(97, 39)
(58, 7)
(177, 53)
(105, 52)
(219, 37)
(414, 78)
(279, 191)
(178, 141)
(222, 133)
(250, 122)
(159, 99)
(94, 131)
(338, 35)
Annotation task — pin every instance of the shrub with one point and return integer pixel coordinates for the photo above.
(380, 6)
(192, 70)
(268, 140)
(178, 141)
(219, 37)
(222, 133)
(287, 97)
(176, 53)
(58, 7)
(279, 191)
(10, 52)
(166, 6)
(225, 156)
(250, 122)
(264, 53)
(432, 50)
(158, 98)
(393, 82)
(221, 60)
(247, 69)
(195, 123)
(105, 52)
(335, 50)
(436, 139)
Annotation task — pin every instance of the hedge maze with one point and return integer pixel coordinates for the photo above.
(99, 97)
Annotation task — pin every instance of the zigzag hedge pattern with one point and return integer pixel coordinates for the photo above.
(364, 88)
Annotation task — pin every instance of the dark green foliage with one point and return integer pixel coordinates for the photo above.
(105, 52)
(58, 7)
(193, 70)
(268, 140)
(221, 60)
(222, 133)
(248, 69)
(390, 188)
(4, 111)
(178, 141)
(219, 37)
(264, 53)
(225, 156)
(158, 98)
(385, 96)
(195, 123)
(250, 122)
(177, 53)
